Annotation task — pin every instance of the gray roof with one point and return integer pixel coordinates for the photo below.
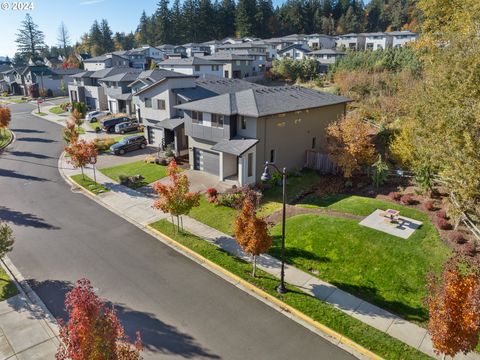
(374, 34)
(235, 146)
(5, 67)
(126, 76)
(152, 77)
(405, 32)
(299, 47)
(126, 96)
(67, 71)
(350, 34)
(83, 74)
(187, 61)
(212, 42)
(226, 56)
(245, 45)
(327, 51)
(264, 101)
(171, 123)
(100, 74)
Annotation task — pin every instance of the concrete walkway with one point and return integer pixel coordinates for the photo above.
(137, 207)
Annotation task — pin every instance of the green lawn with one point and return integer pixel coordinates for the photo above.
(151, 172)
(93, 125)
(7, 286)
(41, 113)
(89, 184)
(4, 137)
(218, 217)
(372, 339)
(383, 269)
(56, 110)
(18, 101)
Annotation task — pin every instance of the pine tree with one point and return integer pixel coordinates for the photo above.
(205, 24)
(263, 17)
(30, 39)
(190, 14)
(162, 23)
(177, 23)
(95, 40)
(226, 18)
(143, 28)
(107, 43)
(245, 17)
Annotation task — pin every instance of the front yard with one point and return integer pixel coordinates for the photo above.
(150, 172)
(56, 110)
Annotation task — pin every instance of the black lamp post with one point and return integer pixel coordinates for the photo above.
(281, 289)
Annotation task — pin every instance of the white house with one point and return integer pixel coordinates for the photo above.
(400, 38)
(326, 56)
(295, 52)
(350, 42)
(105, 61)
(192, 66)
(320, 41)
(192, 49)
(376, 40)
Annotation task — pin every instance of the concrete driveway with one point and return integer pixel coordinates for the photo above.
(109, 160)
(201, 181)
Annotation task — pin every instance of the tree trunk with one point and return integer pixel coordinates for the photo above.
(83, 175)
(254, 262)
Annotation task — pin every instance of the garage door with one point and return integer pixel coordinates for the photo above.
(206, 161)
(154, 136)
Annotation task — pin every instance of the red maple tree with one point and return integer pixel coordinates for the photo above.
(93, 330)
(81, 152)
(5, 117)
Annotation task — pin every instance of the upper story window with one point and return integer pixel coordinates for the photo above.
(215, 67)
(217, 120)
(148, 103)
(238, 62)
(243, 122)
(197, 67)
(160, 104)
(197, 117)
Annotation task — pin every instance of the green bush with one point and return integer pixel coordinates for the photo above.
(293, 70)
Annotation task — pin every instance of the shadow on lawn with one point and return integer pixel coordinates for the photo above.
(291, 254)
(157, 336)
(323, 201)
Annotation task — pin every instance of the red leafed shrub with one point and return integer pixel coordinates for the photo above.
(407, 199)
(429, 205)
(211, 195)
(396, 196)
(442, 214)
(469, 249)
(443, 224)
(457, 237)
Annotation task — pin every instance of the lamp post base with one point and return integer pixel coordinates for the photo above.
(281, 289)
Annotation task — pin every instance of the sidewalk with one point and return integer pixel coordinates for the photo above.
(137, 207)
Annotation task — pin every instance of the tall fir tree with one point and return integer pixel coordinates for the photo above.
(205, 23)
(162, 21)
(177, 23)
(95, 39)
(30, 39)
(226, 18)
(107, 43)
(263, 18)
(245, 17)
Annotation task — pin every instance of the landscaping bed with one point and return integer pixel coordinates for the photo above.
(57, 110)
(370, 338)
(7, 286)
(149, 172)
(89, 184)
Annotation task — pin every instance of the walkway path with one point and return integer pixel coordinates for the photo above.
(137, 207)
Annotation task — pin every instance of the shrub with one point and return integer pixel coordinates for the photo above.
(395, 196)
(469, 249)
(443, 224)
(457, 237)
(429, 205)
(211, 195)
(229, 200)
(407, 199)
(442, 214)
(103, 144)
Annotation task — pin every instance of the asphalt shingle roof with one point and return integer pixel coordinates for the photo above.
(235, 146)
(188, 61)
(126, 76)
(226, 56)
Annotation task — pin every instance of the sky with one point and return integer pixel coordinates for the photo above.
(78, 16)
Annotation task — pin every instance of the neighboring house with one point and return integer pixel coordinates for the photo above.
(167, 49)
(295, 52)
(119, 94)
(350, 42)
(193, 49)
(294, 39)
(179, 50)
(106, 61)
(232, 135)
(43, 78)
(142, 57)
(230, 40)
(326, 56)
(376, 41)
(8, 79)
(213, 45)
(320, 41)
(234, 66)
(53, 62)
(81, 57)
(192, 66)
(400, 38)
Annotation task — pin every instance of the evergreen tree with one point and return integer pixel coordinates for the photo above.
(245, 17)
(190, 13)
(107, 44)
(30, 39)
(226, 18)
(177, 22)
(263, 18)
(95, 40)
(205, 23)
(162, 23)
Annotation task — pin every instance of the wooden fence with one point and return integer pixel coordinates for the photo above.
(320, 161)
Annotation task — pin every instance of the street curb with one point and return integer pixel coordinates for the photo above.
(322, 330)
(12, 139)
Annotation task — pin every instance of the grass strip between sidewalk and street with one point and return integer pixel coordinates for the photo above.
(41, 113)
(56, 110)
(5, 136)
(89, 184)
(368, 337)
(7, 286)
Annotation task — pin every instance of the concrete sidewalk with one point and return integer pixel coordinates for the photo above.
(137, 207)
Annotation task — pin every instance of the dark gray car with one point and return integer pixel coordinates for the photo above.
(129, 143)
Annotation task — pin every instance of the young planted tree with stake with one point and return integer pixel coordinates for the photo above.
(81, 152)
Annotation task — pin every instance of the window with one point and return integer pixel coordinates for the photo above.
(243, 122)
(197, 67)
(237, 62)
(197, 117)
(148, 103)
(217, 120)
(272, 156)
(314, 143)
(250, 165)
(215, 67)
(161, 104)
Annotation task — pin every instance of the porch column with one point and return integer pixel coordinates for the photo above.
(175, 142)
(221, 167)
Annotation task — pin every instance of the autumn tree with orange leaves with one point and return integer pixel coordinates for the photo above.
(5, 118)
(81, 152)
(93, 330)
(349, 144)
(70, 132)
(251, 232)
(454, 306)
(175, 198)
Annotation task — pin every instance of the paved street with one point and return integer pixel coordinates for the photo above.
(181, 309)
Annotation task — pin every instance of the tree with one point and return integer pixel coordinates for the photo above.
(63, 38)
(245, 17)
(175, 198)
(454, 307)
(81, 152)
(251, 232)
(95, 40)
(162, 21)
(70, 132)
(5, 118)
(30, 38)
(349, 144)
(6, 239)
(226, 18)
(77, 116)
(107, 44)
(93, 330)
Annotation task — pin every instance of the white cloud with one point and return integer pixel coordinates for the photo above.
(90, 2)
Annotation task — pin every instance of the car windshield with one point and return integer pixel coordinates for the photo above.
(123, 141)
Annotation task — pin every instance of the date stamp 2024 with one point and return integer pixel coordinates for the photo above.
(16, 6)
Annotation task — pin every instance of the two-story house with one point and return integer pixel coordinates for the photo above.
(320, 41)
(119, 94)
(192, 66)
(232, 135)
(400, 38)
(377, 41)
(213, 45)
(8, 80)
(105, 61)
(42, 79)
(234, 66)
(294, 51)
(327, 56)
(193, 49)
(350, 42)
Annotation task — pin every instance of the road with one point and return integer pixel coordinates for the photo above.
(181, 309)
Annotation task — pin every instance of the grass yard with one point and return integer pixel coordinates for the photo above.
(18, 101)
(89, 184)
(41, 113)
(151, 172)
(93, 125)
(372, 339)
(383, 269)
(5, 136)
(7, 286)
(218, 217)
(56, 110)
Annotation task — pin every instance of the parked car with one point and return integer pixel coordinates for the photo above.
(129, 143)
(109, 124)
(96, 115)
(125, 127)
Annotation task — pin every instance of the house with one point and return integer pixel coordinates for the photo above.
(106, 61)
(350, 42)
(119, 94)
(232, 135)
(40, 78)
(295, 39)
(8, 82)
(376, 41)
(193, 49)
(294, 51)
(81, 57)
(167, 49)
(234, 66)
(179, 50)
(326, 56)
(230, 40)
(192, 66)
(53, 62)
(213, 45)
(320, 41)
(141, 58)
(400, 38)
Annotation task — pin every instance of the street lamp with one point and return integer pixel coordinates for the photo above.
(281, 289)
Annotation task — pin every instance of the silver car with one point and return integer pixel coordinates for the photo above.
(94, 116)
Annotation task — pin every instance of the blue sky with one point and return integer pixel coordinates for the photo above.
(78, 16)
